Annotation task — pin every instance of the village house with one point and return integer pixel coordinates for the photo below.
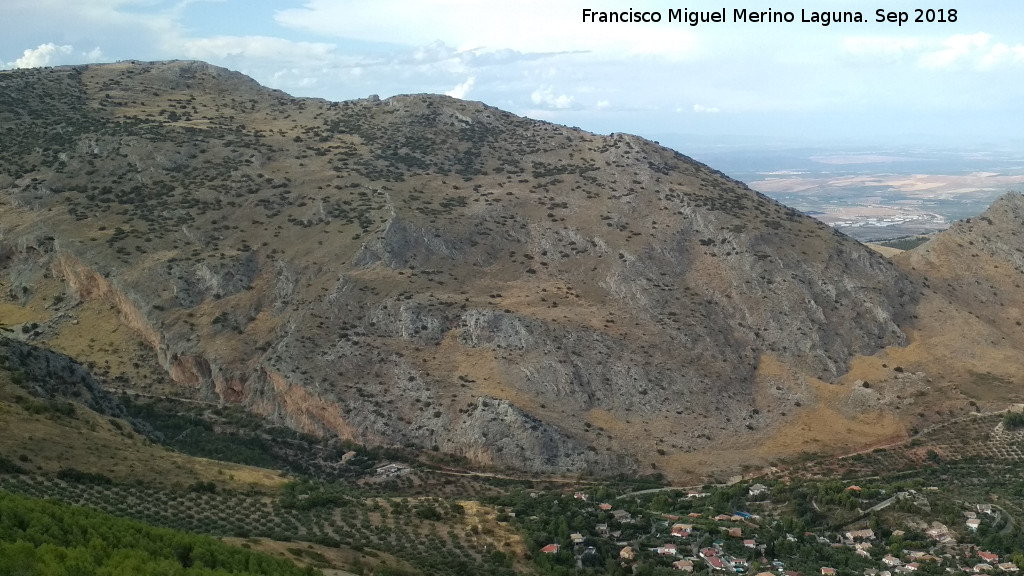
(1008, 567)
(988, 557)
(601, 529)
(750, 543)
(736, 532)
(973, 524)
(576, 538)
(865, 534)
(683, 565)
(890, 560)
(580, 496)
(627, 553)
(828, 571)
(939, 533)
(348, 456)
(916, 554)
(757, 489)
(550, 549)
(982, 567)
(622, 516)
(715, 563)
(682, 530)
(665, 550)
(389, 470)
(604, 506)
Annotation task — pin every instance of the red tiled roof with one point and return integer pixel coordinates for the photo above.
(550, 549)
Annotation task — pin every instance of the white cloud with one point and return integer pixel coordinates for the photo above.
(50, 54)
(873, 49)
(545, 96)
(704, 109)
(935, 54)
(539, 114)
(258, 48)
(461, 90)
(972, 51)
(45, 55)
(955, 49)
(94, 55)
(529, 26)
(1001, 54)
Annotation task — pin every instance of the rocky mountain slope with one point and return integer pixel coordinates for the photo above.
(978, 263)
(430, 272)
(971, 318)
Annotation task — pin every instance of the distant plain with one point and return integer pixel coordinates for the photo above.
(873, 194)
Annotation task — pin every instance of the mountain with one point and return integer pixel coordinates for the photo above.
(434, 273)
(978, 263)
(971, 319)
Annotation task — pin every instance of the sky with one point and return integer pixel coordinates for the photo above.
(945, 84)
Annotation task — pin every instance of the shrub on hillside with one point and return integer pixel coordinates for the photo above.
(1013, 420)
